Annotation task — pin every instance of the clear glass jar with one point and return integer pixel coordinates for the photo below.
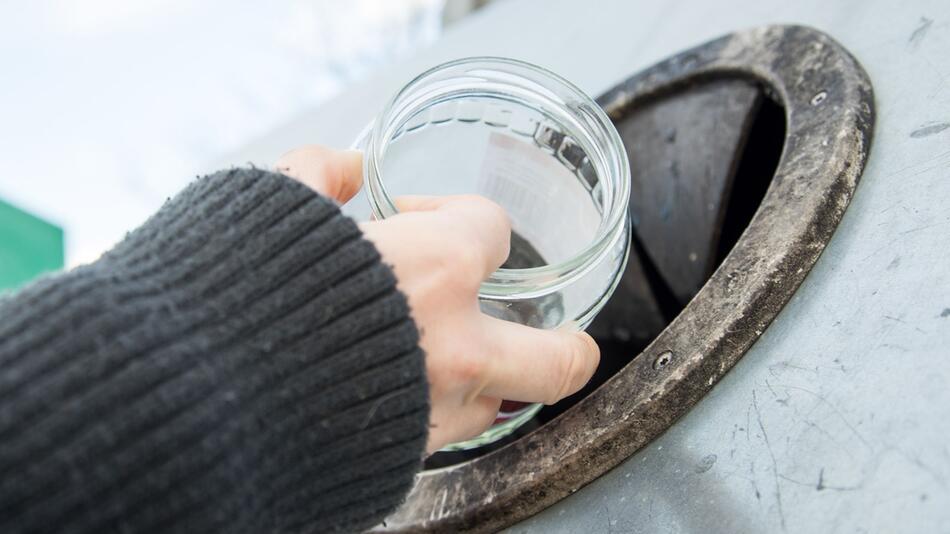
(535, 144)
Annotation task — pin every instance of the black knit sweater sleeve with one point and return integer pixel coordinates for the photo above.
(243, 362)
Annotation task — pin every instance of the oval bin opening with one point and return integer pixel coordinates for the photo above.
(691, 200)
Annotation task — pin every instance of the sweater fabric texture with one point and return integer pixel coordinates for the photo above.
(241, 363)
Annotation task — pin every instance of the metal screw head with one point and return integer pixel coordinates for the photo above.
(819, 98)
(663, 359)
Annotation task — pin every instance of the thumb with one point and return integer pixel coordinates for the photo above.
(533, 365)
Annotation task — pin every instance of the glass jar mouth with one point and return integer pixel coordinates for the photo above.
(526, 84)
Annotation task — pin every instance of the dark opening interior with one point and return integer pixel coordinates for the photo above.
(654, 291)
(756, 167)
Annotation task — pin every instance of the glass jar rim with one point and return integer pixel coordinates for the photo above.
(598, 136)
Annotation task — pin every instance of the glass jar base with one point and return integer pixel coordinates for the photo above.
(496, 432)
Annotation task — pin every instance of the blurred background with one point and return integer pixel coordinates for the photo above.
(108, 107)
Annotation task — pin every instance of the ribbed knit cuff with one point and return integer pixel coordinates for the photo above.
(243, 362)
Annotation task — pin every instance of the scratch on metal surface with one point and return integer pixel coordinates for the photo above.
(899, 320)
(924, 227)
(821, 485)
(438, 511)
(914, 459)
(824, 432)
(783, 402)
(930, 128)
(920, 31)
(824, 401)
(777, 369)
(935, 159)
(768, 445)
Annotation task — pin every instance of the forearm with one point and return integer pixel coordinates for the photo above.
(242, 362)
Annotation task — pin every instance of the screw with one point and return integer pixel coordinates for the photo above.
(819, 98)
(662, 360)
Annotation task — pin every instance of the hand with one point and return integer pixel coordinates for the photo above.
(441, 249)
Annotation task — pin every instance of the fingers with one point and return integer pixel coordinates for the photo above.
(533, 365)
(470, 220)
(337, 174)
(455, 423)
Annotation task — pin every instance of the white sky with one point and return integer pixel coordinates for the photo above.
(107, 107)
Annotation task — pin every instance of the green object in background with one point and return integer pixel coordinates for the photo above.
(29, 246)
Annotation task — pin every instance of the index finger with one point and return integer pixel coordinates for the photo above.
(337, 174)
